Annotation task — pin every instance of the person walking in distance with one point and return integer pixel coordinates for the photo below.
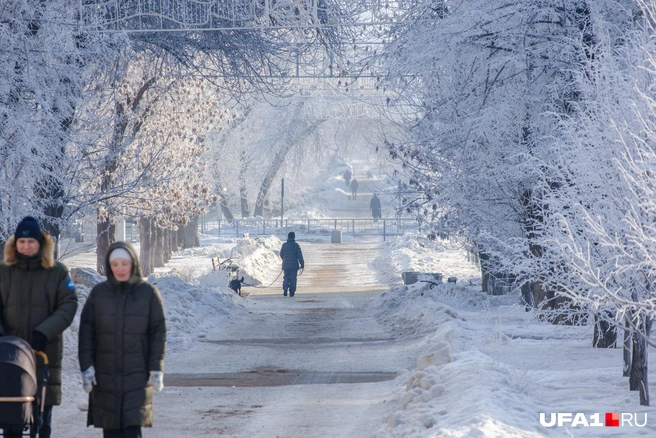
(354, 188)
(374, 206)
(292, 260)
(347, 177)
(122, 343)
(38, 302)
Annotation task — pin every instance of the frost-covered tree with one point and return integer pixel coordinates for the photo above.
(603, 217)
(141, 141)
(293, 138)
(478, 101)
(42, 57)
(533, 141)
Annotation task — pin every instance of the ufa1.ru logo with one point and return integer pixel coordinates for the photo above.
(611, 419)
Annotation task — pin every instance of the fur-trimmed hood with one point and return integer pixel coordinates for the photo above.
(47, 251)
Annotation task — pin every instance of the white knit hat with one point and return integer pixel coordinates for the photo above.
(120, 253)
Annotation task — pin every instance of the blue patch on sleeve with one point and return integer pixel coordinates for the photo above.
(70, 284)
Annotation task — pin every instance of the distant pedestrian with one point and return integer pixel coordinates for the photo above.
(354, 188)
(347, 177)
(292, 260)
(375, 208)
(37, 303)
(122, 343)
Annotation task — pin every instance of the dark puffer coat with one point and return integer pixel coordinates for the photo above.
(123, 335)
(38, 294)
(292, 256)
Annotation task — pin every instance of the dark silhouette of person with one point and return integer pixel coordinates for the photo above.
(347, 177)
(374, 206)
(292, 261)
(38, 302)
(354, 188)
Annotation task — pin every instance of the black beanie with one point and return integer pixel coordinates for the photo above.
(291, 235)
(29, 227)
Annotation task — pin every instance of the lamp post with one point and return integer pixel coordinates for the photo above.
(218, 210)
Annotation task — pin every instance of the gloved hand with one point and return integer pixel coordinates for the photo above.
(39, 341)
(88, 379)
(157, 380)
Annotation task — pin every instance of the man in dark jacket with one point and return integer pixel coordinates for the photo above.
(354, 189)
(122, 344)
(37, 303)
(292, 260)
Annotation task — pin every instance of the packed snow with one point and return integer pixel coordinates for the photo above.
(467, 364)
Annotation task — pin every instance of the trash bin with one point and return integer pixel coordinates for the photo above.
(410, 277)
(336, 236)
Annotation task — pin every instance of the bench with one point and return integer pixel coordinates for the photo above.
(226, 265)
(412, 277)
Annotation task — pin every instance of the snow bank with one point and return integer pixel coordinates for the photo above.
(411, 252)
(258, 259)
(455, 390)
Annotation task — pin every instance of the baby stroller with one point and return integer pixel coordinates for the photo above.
(21, 407)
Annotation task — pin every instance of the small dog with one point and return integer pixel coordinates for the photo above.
(236, 285)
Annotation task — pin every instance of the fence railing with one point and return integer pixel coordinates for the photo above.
(355, 227)
(252, 226)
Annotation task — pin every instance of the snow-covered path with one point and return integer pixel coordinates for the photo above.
(327, 332)
(285, 367)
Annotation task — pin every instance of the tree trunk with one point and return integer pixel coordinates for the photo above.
(485, 271)
(274, 168)
(626, 349)
(644, 384)
(540, 296)
(243, 196)
(191, 233)
(168, 245)
(145, 243)
(157, 247)
(106, 236)
(174, 240)
(225, 210)
(182, 243)
(527, 296)
(243, 191)
(638, 380)
(605, 334)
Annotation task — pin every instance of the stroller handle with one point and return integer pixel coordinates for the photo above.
(44, 384)
(24, 399)
(42, 355)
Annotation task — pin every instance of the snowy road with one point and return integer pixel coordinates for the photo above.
(327, 332)
(282, 370)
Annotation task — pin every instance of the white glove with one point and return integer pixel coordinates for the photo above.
(89, 379)
(157, 380)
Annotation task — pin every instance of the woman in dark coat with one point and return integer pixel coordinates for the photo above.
(37, 303)
(122, 343)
